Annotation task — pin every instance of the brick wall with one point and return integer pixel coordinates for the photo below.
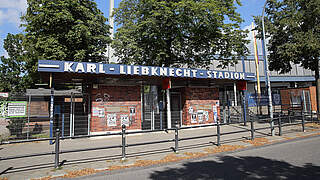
(112, 105)
(200, 103)
(313, 97)
(287, 93)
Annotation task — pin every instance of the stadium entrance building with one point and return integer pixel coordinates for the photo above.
(140, 97)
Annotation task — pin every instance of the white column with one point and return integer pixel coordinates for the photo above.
(168, 109)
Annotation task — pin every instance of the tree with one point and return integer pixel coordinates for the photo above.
(293, 28)
(55, 30)
(12, 77)
(175, 32)
(66, 30)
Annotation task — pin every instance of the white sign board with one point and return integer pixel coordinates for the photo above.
(17, 108)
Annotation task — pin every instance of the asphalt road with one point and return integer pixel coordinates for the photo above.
(298, 159)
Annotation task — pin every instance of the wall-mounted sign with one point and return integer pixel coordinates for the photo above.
(73, 100)
(120, 69)
(4, 94)
(112, 120)
(17, 108)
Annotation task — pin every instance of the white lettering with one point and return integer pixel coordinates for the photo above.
(194, 73)
(163, 71)
(179, 72)
(214, 74)
(101, 70)
(122, 69)
(136, 70)
(79, 67)
(186, 73)
(91, 68)
(226, 75)
(236, 75)
(241, 75)
(67, 67)
(144, 70)
(171, 72)
(128, 69)
(209, 74)
(232, 75)
(154, 71)
(220, 76)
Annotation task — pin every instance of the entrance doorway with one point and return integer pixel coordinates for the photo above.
(175, 104)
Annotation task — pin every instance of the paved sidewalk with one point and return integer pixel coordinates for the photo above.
(82, 163)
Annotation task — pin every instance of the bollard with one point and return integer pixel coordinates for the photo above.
(123, 134)
(176, 139)
(303, 123)
(289, 113)
(280, 126)
(218, 133)
(272, 126)
(57, 149)
(252, 129)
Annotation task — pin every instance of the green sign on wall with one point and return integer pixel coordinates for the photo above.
(13, 109)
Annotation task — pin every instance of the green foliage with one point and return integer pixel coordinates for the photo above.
(66, 30)
(294, 30)
(72, 30)
(16, 126)
(178, 32)
(13, 69)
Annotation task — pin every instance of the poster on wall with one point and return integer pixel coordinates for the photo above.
(132, 111)
(111, 119)
(193, 118)
(124, 120)
(206, 115)
(17, 108)
(215, 114)
(190, 110)
(200, 115)
(101, 112)
(95, 111)
(98, 112)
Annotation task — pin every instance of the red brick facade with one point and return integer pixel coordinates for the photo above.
(114, 105)
(287, 93)
(200, 105)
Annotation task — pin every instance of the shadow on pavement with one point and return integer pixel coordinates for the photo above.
(246, 167)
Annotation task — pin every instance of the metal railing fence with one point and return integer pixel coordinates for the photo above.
(281, 120)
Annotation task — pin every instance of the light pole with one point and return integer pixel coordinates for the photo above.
(111, 23)
(266, 68)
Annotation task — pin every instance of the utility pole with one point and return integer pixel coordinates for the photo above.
(266, 68)
(111, 23)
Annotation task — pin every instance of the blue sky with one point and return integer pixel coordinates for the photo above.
(11, 10)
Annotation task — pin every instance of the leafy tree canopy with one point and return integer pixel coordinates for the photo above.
(293, 27)
(66, 30)
(55, 30)
(175, 32)
(12, 69)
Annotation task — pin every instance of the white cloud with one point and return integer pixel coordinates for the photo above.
(14, 4)
(11, 10)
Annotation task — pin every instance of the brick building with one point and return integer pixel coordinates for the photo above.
(141, 97)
